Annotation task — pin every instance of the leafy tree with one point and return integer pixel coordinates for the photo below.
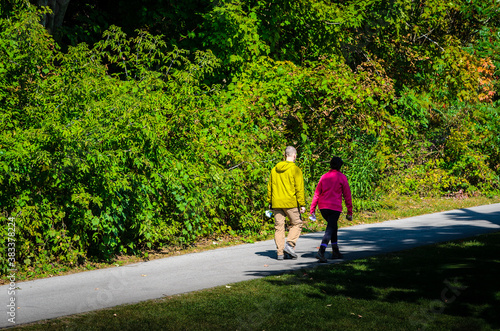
(165, 130)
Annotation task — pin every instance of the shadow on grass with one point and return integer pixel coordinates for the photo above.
(456, 279)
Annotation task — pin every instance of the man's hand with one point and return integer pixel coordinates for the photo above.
(302, 210)
(349, 217)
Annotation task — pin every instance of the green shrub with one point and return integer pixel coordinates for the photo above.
(133, 144)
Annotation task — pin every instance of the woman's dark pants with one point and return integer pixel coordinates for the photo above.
(331, 217)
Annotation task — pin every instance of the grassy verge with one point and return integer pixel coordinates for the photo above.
(394, 208)
(448, 286)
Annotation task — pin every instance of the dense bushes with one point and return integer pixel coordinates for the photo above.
(94, 164)
(133, 143)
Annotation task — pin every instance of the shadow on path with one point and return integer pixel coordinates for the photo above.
(379, 238)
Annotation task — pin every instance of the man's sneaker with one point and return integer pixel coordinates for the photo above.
(290, 251)
(336, 253)
(281, 257)
(321, 256)
(288, 256)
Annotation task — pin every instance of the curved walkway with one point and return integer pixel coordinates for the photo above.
(66, 295)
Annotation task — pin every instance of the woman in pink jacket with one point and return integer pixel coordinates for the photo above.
(328, 197)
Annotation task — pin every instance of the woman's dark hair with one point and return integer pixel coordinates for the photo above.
(336, 163)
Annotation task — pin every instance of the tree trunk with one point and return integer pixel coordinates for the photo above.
(61, 7)
(55, 20)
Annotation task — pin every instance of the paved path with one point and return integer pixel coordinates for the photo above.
(92, 290)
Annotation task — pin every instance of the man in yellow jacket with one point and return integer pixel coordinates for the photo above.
(285, 195)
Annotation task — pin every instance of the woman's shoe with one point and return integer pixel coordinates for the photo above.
(336, 253)
(321, 257)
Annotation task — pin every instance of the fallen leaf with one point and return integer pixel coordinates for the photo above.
(96, 288)
(329, 305)
(144, 275)
(114, 315)
(227, 286)
(360, 316)
(266, 265)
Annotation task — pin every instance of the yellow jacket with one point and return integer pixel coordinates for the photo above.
(286, 186)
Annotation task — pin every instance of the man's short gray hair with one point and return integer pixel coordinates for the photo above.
(290, 151)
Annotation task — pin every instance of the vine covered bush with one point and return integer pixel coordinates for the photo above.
(132, 143)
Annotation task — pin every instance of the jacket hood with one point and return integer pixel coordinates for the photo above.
(284, 166)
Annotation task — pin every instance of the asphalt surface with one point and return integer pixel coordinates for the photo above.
(67, 295)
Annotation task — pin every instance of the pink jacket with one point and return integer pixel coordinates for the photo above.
(328, 195)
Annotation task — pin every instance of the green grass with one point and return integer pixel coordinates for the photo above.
(448, 286)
